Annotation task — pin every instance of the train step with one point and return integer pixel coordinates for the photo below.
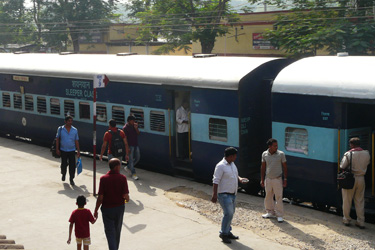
(183, 172)
(9, 244)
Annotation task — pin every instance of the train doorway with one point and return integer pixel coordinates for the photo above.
(183, 150)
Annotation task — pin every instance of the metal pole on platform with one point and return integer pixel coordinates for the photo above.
(94, 142)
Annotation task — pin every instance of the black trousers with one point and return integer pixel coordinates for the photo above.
(68, 158)
(183, 145)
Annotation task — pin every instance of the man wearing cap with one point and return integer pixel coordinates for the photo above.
(225, 186)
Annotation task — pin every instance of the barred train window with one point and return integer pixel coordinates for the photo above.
(118, 114)
(69, 108)
(157, 122)
(296, 140)
(139, 117)
(17, 101)
(55, 106)
(84, 110)
(101, 113)
(217, 129)
(29, 103)
(41, 104)
(6, 100)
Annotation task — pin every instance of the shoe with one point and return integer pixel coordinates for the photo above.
(347, 224)
(280, 219)
(268, 215)
(359, 226)
(135, 177)
(72, 183)
(225, 239)
(63, 178)
(232, 236)
(126, 169)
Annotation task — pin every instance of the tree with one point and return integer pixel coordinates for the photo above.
(334, 26)
(180, 22)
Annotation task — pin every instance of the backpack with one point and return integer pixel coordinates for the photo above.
(117, 144)
(53, 146)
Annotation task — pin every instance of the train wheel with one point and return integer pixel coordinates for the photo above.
(321, 207)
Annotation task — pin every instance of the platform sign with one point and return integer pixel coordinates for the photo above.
(100, 81)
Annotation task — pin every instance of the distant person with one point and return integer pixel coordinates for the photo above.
(81, 218)
(116, 140)
(360, 161)
(66, 145)
(113, 193)
(225, 186)
(182, 118)
(273, 168)
(131, 131)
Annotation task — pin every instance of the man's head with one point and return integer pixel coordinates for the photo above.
(131, 119)
(230, 154)
(355, 142)
(81, 201)
(112, 123)
(272, 145)
(68, 120)
(114, 164)
(185, 104)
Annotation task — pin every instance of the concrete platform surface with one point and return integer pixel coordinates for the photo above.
(36, 205)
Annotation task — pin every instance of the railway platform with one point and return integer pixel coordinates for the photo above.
(36, 205)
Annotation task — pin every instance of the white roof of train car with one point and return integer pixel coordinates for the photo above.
(210, 72)
(346, 76)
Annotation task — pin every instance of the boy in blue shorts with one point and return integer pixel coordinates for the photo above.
(81, 218)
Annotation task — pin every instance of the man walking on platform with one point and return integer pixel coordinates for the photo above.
(116, 140)
(273, 168)
(66, 145)
(131, 131)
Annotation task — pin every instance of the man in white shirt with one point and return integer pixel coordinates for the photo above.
(182, 118)
(360, 161)
(225, 186)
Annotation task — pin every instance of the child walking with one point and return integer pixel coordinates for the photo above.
(81, 218)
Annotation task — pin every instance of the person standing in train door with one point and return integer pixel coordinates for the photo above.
(272, 171)
(66, 145)
(182, 119)
(131, 131)
(360, 161)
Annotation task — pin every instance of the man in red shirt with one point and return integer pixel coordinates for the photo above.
(107, 140)
(113, 193)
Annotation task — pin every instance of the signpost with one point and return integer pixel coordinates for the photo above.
(100, 81)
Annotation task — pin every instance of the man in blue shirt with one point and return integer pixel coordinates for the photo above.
(66, 145)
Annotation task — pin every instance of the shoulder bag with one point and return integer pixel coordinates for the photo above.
(345, 179)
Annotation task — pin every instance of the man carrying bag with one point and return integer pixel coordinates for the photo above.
(359, 160)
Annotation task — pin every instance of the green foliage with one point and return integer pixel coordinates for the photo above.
(180, 22)
(322, 25)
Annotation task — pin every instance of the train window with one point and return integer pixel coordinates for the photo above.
(139, 117)
(157, 122)
(29, 103)
(118, 114)
(296, 140)
(6, 100)
(17, 101)
(41, 104)
(55, 106)
(101, 113)
(84, 110)
(217, 129)
(69, 108)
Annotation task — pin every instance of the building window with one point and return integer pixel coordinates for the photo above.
(157, 122)
(218, 129)
(84, 110)
(296, 140)
(17, 101)
(139, 117)
(29, 103)
(6, 100)
(69, 108)
(55, 106)
(41, 104)
(101, 113)
(118, 114)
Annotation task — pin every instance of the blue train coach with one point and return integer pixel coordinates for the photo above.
(230, 104)
(319, 103)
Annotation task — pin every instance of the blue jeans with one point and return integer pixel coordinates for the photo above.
(228, 204)
(134, 157)
(112, 220)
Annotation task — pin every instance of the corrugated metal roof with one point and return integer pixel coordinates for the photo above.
(348, 76)
(212, 72)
